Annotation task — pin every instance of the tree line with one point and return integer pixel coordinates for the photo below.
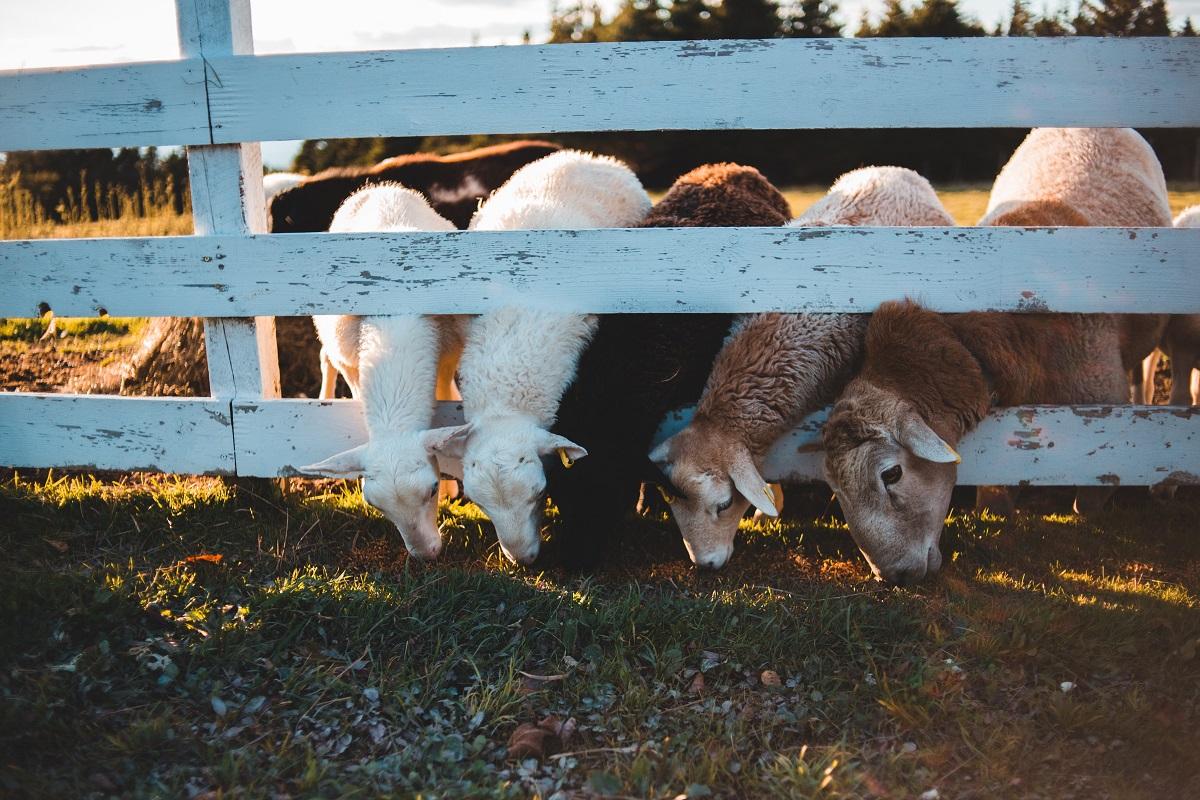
(78, 184)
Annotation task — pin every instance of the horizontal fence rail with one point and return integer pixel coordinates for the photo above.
(159, 434)
(660, 270)
(1039, 445)
(1047, 445)
(750, 84)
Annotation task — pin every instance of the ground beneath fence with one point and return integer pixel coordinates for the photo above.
(161, 637)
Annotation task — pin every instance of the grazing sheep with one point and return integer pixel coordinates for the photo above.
(927, 378)
(774, 370)
(640, 366)
(1181, 343)
(276, 182)
(517, 362)
(392, 364)
(454, 184)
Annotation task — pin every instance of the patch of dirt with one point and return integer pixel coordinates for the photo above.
(49, 370)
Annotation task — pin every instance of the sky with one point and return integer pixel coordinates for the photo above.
(49, 33)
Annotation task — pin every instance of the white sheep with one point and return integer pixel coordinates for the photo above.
(392, 364)
(517, 363)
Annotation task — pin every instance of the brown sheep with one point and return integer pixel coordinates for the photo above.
(927, 379)
(774, 369)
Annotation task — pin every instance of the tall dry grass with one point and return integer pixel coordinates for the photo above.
(147, 211)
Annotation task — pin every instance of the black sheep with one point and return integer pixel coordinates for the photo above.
(454, 184)
(640, 366)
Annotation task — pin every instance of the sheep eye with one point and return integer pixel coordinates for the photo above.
(433, 492)
(891, 475)
(723, 507)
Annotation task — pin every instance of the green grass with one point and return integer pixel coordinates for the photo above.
(312, 659)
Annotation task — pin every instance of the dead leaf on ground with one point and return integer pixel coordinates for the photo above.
(697, 686)
(57, 544)
(539, 741)
(770, 678)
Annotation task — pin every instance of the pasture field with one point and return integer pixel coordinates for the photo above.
(160, 637)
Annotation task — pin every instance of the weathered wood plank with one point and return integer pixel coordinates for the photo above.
(111, 106)
(687, 270)
(187, 435)
(794, 83)
(227, 197)
(790, 83)
(1047, 445)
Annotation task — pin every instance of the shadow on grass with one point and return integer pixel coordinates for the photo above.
(157, 637)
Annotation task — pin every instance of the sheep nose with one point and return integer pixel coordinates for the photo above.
(429, 552)
(906, 576)
(712, 562)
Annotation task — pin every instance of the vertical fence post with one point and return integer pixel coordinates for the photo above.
(227, 197)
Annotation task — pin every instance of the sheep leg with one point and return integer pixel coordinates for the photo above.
(329, 376)
(1196, 386)
(1183, 357)
(1149, 368)
(445, 389)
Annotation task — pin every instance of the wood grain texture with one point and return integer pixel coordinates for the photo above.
(789, 83)
(160, 434)
(780, 83)
(227, 197)
(153, 103)
(1047, 445)
(687, 270)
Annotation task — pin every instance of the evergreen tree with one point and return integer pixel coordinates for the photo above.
(748, 19)
(1187, 29)
(810, 19)
(1122, 18)
(941, 18)
(1021, 21)
(895, 21)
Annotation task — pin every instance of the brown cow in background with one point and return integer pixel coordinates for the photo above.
(454, 184)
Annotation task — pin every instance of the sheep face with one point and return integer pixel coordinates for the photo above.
(893, 476)
(714, 481)
(503, 474)
(400, 478)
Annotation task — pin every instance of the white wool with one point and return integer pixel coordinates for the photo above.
(277, 182)
(877, 196)
(1188, 218)
(391, 364)
(1109, 175)
(517, 363)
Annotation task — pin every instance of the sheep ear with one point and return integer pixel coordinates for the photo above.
(346, 464)
(919, 439)
(747, 480)
(661, 455)
(449, 441)
(568, 450)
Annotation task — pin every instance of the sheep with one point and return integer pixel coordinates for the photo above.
(517, 362)
(392, 364)
(276, 182)
(1181, 343)
(774, 370)
(640, 366)
(927, 379)
(454, 184)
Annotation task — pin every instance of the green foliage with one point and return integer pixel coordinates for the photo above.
(663, 20)
(929, 18)
(1122, 18)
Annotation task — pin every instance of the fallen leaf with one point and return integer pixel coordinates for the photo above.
(205, 558)
(603, 783)
(57, 544)
(770, 677)
(697, 686)
(539, 741)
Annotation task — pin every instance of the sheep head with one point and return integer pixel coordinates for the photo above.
(503, 473)
(400, 478)
(713, 481)
(893, 475)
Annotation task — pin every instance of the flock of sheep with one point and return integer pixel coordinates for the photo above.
(567, 405)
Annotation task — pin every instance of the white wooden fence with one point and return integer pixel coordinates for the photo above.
(220, 100)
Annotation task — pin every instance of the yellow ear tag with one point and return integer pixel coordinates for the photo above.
(667, 497)
(564, 458)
